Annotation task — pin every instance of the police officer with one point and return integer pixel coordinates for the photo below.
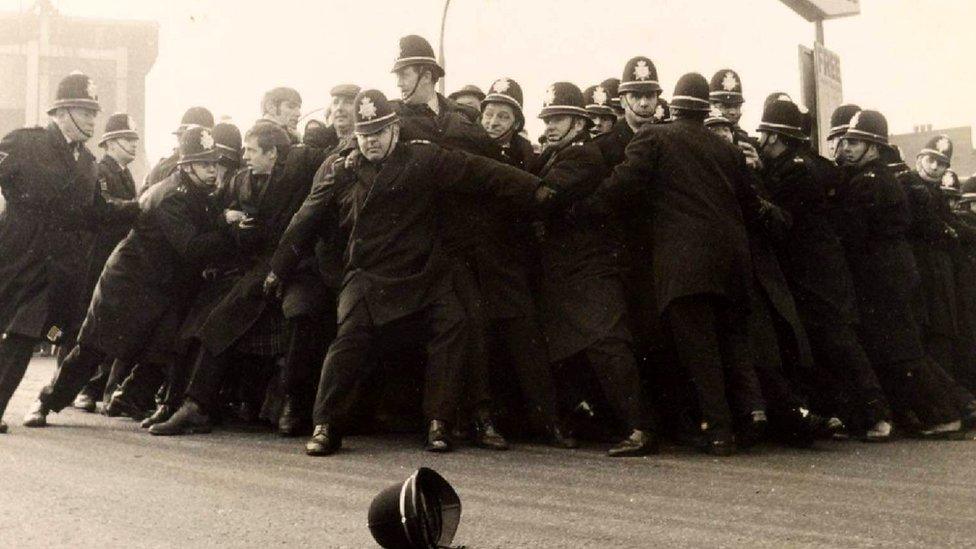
(598, 107)
(238, 324)
(725, 94)
(840, 120)
(611, 86)
(469, 95)
(813, 261)
(884, 271)
(194, 116)
(49, 180)
(397, 275)
(932, 235)
(503, 120)
(584, 311)
(119, 141)
(134, 311)
(490, 284)
(690, 185)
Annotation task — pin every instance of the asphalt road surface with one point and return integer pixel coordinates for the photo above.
(89, 480)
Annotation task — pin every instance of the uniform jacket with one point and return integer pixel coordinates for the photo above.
(690, 184)
(116, 185)
(163, 169)
(387, 216)
(154, 270)
(811, 255)
(582, 295)
(475, 234)
(271, 201)
(49, 195)
(930, 235)
(881, 261)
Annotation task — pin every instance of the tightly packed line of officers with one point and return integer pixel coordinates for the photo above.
(654, 271)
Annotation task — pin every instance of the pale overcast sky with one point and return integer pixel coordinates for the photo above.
(911, 59)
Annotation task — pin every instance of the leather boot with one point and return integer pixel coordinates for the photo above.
(37, 415)
(189, 419)
(438, 439)
(292, 422)
(639, 443)
(324, 442)
(486, 435)
(84, 402)
(119, 405)
(163, 413)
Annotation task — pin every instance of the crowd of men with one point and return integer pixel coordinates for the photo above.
(648, 269)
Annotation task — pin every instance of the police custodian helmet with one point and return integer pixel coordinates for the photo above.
(422, 512)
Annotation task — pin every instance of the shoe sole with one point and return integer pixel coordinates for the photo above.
(187, 431)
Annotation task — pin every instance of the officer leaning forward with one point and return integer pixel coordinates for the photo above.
(50, 184)
(397, 276)
(584, 311)
(136, 309)
(194, 116)
(877, 217)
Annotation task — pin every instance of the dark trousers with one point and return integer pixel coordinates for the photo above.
(97, 387)
(308, 340)
(613, 363)
(712, 345)
(765, 342)
(916, 385)
(351, 359)
(476, 385)
(15, 355)
(520, 341)
(141, 384)
(71, 375)
(860, 399)
(210, 371)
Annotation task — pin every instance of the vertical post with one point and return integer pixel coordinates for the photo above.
(820, 31)
(440, 46)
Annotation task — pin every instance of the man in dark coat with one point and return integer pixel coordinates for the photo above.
(490, 284)
(885, 276)
(194, 116)
(815, 266)
(692, 183)
(396, 275)
(134, 311)
(583, 308)
(964, 261)
(119, 141)
(48, 178)
(238, 322)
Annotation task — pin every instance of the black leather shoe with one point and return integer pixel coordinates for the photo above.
(562, 437)
(486, 435)
(189, 419)
(119, 405)
(324, 442)
(3, 427)
(752, 432)
(85, 403)
(163, 413)
(639, 443)
(437, 437)
(291, 423)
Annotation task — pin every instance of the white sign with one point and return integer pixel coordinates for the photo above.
(814, 10)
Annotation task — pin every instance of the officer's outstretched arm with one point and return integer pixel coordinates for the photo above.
(627, 181)
(458, 171)
(178, 228)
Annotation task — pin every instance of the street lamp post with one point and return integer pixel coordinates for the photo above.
(440, 47)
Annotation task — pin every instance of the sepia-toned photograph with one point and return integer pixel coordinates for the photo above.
(447, 274)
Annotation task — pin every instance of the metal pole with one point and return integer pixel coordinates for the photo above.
(440, 47)
(820, 31)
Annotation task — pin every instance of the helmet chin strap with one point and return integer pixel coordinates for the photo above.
(629, 108)
(75, 122)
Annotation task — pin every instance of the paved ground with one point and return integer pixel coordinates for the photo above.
(92, 480)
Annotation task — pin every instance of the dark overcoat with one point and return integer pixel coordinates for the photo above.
(50, 196)
(270, 201)
(154, 271)
(394, 257)
(483, 237)
(685, 177)
(877, 217)
(116, 185)
(582, 299)
(930, 237)
(811, 255)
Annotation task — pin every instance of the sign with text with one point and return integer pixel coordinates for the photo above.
(820, 85)
(817, 10)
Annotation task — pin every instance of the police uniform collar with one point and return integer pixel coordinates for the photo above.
(112, 164)
(435, 104)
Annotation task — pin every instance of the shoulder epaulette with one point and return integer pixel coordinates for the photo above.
(419, 142)
(797, 160)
